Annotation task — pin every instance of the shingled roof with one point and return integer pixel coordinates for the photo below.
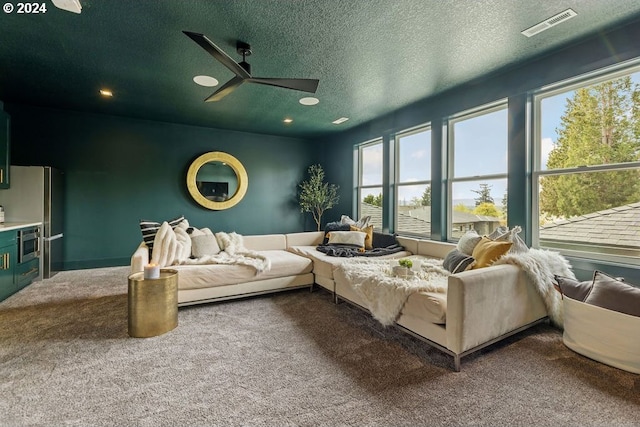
(419, 221)
(619, 226)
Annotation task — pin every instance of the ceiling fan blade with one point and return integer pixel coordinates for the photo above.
(304, 85)
(226, 89)
(218, 54)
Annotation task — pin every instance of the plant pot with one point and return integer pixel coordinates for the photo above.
(402, 271)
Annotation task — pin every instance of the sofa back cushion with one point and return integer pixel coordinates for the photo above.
(265, 242)
(309, 238)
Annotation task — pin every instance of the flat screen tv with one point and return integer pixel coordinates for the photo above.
(216, 191)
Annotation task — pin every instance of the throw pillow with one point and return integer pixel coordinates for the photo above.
(203, 245)
(468, 242)
(383, 240)
(149, 229)
(172, 246)
(519, 246)
(349, 238)
(487, 251)
(614, 294)
(368, 240)
(361, 223)
(500, 231)
(456, 262)
(334, 226)
(232, 243)
(572, 288)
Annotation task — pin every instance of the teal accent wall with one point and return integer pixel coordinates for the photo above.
(119, 170)
(514, 84)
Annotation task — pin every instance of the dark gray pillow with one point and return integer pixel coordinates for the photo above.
(572, 288)
(457, 262)
(614, 294)
(384, 240)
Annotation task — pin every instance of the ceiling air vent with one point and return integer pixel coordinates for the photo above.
(548, 23)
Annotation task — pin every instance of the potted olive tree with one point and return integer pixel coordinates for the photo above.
(316, 196)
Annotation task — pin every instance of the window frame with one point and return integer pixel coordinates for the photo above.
(396, 173)
(450, 179)
(360, 186)
(618, 255)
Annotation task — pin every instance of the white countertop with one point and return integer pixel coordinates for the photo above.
(8, 226)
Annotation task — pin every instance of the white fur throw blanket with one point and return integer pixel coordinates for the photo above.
(540, 266)
(384, 294)
(173, 247)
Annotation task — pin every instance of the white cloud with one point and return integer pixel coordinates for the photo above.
(420, 154)
(546, 147)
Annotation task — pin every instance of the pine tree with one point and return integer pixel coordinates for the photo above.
(426, 197)
(484, 195)
(601, 125)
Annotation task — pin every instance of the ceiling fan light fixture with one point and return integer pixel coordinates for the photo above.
(309, 100)
(68, 5)
(340, 120)
(106, 93)
(206, 81)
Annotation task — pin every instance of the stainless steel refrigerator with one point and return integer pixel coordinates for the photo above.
(36, 194)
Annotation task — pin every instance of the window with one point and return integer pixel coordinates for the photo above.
(587, 167)
(413, 180)
(369, 189)
(477, 185)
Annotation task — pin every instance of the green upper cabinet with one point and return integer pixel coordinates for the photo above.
(5, 159)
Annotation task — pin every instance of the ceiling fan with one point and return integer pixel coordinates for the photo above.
(242, 70)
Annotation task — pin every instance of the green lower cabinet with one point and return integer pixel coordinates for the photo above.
(8, 257)
(13, 275)
(26, 272)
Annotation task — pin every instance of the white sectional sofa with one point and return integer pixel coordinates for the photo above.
(479, 308)
(203, 283)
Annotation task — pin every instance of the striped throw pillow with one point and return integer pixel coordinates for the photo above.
(149, 229)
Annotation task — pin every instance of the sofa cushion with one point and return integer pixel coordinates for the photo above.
(468, 242)
(350, 238)
(383, 240)
(283, 264)
(519, 246)
(457, 262)
(334, 226)
(572, 288)
(204, 244)
(487, 251)
(368, 239)
(614, 294)
(149, 229)
(430, 306)
(361, 223)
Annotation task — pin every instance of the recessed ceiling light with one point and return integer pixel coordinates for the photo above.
(288, 120)
(106, 92)
(309, 100)
(340, 120)
(206, 81)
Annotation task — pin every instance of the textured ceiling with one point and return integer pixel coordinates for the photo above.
(371, 56)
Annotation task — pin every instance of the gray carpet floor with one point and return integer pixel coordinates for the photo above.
(288, 359)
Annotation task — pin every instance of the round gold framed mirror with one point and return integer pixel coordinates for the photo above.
(217, 180)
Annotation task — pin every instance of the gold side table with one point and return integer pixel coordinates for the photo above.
(153, 304)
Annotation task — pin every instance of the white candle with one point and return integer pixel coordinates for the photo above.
(152, 271)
